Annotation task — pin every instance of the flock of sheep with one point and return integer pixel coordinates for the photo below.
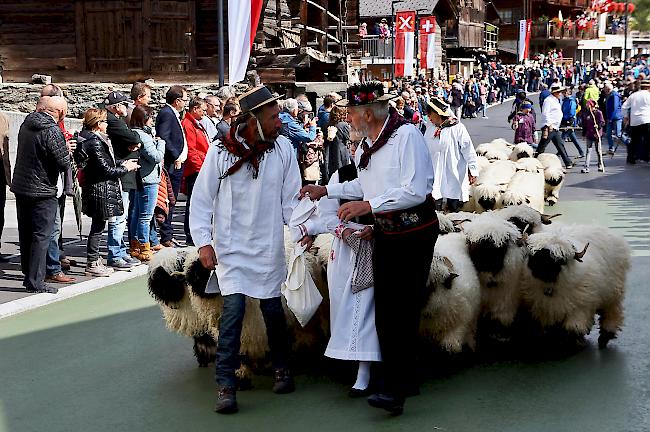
(499, 264)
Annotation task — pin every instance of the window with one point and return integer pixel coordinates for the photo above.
(510, 16)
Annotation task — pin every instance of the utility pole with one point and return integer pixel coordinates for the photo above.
(627, 18)
(222, 68)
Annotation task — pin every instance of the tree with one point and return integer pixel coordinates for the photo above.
(640, 18)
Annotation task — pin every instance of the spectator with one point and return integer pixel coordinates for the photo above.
(592, 124)
(152, 154)
(636, 112)
(543, 94)
(212, 117)
(41, 157)
(456, 99)
(141, 95)
(363, 30)
(101, 197)
(592, 92)
(5, 173)
(524, 124)
(337, 153)
(299, 134)
(614, 114)
(126, 146)
(168, 127)
(230, 111)
(324, 112)
(197, 147)
(569, 112)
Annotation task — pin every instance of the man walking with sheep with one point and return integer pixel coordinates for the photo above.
(394, 185)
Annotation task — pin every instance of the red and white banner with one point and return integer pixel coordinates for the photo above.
(404, 43)
(427, 42)
(243, 18)
(524, 39)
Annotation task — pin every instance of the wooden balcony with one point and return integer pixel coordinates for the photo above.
(550, 31)
(578, 4)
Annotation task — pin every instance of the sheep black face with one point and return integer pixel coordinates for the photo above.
(545, 267)
(522, 154)
(487, 203)
(167, 288)
(523, 226)
(197, 277)
(554, 181)
(486, 256)
(205, 349)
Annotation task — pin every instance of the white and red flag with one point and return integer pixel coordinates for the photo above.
(243, 18)
(524, 39)
(427, 42)
(404, 43)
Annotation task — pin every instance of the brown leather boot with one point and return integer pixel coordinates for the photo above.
(145, 252)
(134, 250)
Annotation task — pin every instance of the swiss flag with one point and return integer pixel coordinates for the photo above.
(427, 42)
(243, 18)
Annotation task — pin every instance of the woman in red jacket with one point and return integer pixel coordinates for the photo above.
(197, 147)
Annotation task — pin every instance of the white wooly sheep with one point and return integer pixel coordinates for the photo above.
(527, 219)
(450, 315)
(493, 246)
(520, 151)
(554, 176)
(525, 188)
(470, 204)
(450, 222)
(573, 273)
(529, 164)
(491, 183)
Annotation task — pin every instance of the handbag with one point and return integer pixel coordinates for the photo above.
(299, 290)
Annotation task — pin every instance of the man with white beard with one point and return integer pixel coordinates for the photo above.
(394, 185)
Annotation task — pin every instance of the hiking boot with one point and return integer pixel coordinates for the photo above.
(226, 401)
(283, 382)
(97, 268)
(134, 248)
(144, 253)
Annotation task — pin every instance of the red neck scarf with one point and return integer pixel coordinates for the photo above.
(395, 121)
(451, 121)
(251, 155)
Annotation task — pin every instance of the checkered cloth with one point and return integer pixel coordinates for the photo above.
(362, 277)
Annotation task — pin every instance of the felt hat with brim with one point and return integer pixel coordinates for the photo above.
(556, 88)
(439, 106)
(256, 98)
(645, 83)
(365, 94)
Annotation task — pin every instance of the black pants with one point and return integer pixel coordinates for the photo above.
(453, 205)
(175, 177)
(189, 186)
(35, 224)
(639, 142)
(3, 197)
(94, 237)
(62, 210)
(401, 265)
(556, 137)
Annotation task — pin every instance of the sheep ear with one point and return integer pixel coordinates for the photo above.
(527, 201)
(578, 256)
(546, 219)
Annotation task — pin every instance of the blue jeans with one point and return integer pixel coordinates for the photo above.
(230, 324)
(52, 260)
(144, 202)
(571, 134)
(614, 127)
(116, 246)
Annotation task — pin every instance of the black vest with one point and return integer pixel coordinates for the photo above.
(349, 173)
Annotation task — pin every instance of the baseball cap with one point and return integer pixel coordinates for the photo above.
(115, 98)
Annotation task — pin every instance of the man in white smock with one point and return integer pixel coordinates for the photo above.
(244, 195)
(452, 154)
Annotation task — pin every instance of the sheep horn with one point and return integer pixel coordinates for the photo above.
(578, 256)
(460, 222)
(521, 241)
(448, 263)
(450, 279)
(546, 219)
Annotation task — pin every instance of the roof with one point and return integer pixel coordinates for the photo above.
(382, 8)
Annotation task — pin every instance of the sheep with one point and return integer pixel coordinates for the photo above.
(450, 222)
(525, 188)
(553, 176)
(520, 151)
(491, 184)
(529, 164)
(565, 285)
(527, 219)
(449, 317)
(493, 245)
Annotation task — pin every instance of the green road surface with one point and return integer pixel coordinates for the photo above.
(104, 361)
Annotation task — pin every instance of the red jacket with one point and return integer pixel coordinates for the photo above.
(197, 144)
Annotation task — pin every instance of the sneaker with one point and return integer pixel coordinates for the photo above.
(580, 156)
(43, 289)
(584, 170)
(283, 382)
(226, 401)
(97, 268)
(120, 264)
(569, 166)
(610, 152)
(132, 260)
(601, 169)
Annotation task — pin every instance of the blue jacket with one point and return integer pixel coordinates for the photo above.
(613, 106)
(323, 117)
(569, 107)
(294, 131)
(169, 129)
(151, 154)
(543, 95)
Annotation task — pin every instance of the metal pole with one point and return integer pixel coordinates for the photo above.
(392, 30)
(627, 18)
(222, 68)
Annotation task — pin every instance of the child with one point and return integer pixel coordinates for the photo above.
(592, 124)
(524, 125)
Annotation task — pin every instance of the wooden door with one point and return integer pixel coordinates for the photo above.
(169, 45)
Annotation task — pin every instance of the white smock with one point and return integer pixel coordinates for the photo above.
(244, 217)
(452, 154)
(352, 315)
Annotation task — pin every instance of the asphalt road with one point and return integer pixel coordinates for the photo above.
(104, 361)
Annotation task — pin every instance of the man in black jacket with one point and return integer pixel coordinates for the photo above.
(126, 144)
(168, 127)
(41, 157)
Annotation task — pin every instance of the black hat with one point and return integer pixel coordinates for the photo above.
(364, 94)
(256, 98)
(115, 98)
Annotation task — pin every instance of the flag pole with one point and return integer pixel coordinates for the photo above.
(221, 42)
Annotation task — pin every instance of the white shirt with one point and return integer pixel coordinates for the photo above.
(210, 126)
(244, 218)
(399, 175)
(637, 108)
(452, 154)
(552, 112)
(183, 156)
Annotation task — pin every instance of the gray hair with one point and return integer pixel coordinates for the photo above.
(379, 109)
(226, 92)
(290, 105)
(608, 85)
